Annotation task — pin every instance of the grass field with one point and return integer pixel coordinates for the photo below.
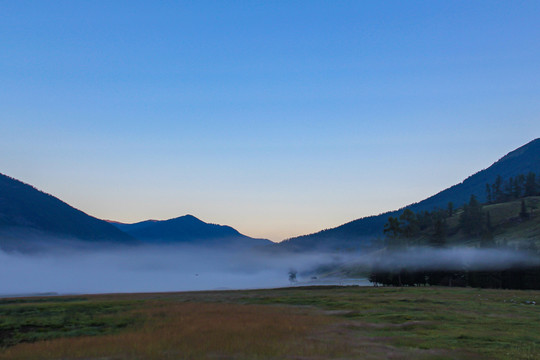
(292, 323)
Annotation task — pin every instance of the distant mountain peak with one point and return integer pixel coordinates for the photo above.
(187, 217)
(187, 229)
(30, 218)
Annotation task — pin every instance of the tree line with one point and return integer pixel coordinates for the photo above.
(522, 278)
(513, 188)
(430, 228)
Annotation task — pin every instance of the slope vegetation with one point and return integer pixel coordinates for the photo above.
(360, 232)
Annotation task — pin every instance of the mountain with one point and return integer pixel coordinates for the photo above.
(187, 229)
(359, 232)
(30, 218)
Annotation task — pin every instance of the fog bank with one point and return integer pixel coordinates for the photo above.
(186, 268)
(457, 258)
(149, 269)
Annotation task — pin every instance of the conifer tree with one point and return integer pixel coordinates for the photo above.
(425, 219)
(450, 208)
(508, 189)
(487, 235)
(392, 229)
(518, 186)
(410, 226)
(472, 217)
(438, 239)
(530, 184)
(524, 214)
(497, 189)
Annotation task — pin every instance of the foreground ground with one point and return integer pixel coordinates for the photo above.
(294, 323)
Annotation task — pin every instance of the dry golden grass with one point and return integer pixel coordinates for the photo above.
(296, 323)
(198, 331)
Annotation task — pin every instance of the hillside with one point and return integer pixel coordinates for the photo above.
(31, 220)
(360, 232)
(29, 214)
(187, 230)
(508, 228)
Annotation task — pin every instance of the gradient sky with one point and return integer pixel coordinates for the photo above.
(278, 118)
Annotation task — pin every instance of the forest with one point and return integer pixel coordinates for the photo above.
(508, 221)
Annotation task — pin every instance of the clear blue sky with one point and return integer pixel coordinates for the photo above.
(278, 118)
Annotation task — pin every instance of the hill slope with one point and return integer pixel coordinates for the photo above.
(507, 227)
(359, 232)
(187, 229)
(27, 213)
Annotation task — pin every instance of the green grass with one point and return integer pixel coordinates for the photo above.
(495, 324)
(508, 227)
(331, 322)
(30, 320)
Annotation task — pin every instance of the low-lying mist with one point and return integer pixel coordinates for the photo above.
(449, 259)
(148, 269)
(183, 268)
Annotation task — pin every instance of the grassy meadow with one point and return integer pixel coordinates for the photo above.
(291, 323)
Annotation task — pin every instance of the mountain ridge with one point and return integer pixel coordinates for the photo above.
(33, 220)
(25, 210)
(185, 229)
(359, 232)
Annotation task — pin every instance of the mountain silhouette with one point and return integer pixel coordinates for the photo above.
(358, 232)
(29, 214)
(187, 229)
(31, 220)
(29, 217)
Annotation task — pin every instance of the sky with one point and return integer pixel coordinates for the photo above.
(279, 118)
